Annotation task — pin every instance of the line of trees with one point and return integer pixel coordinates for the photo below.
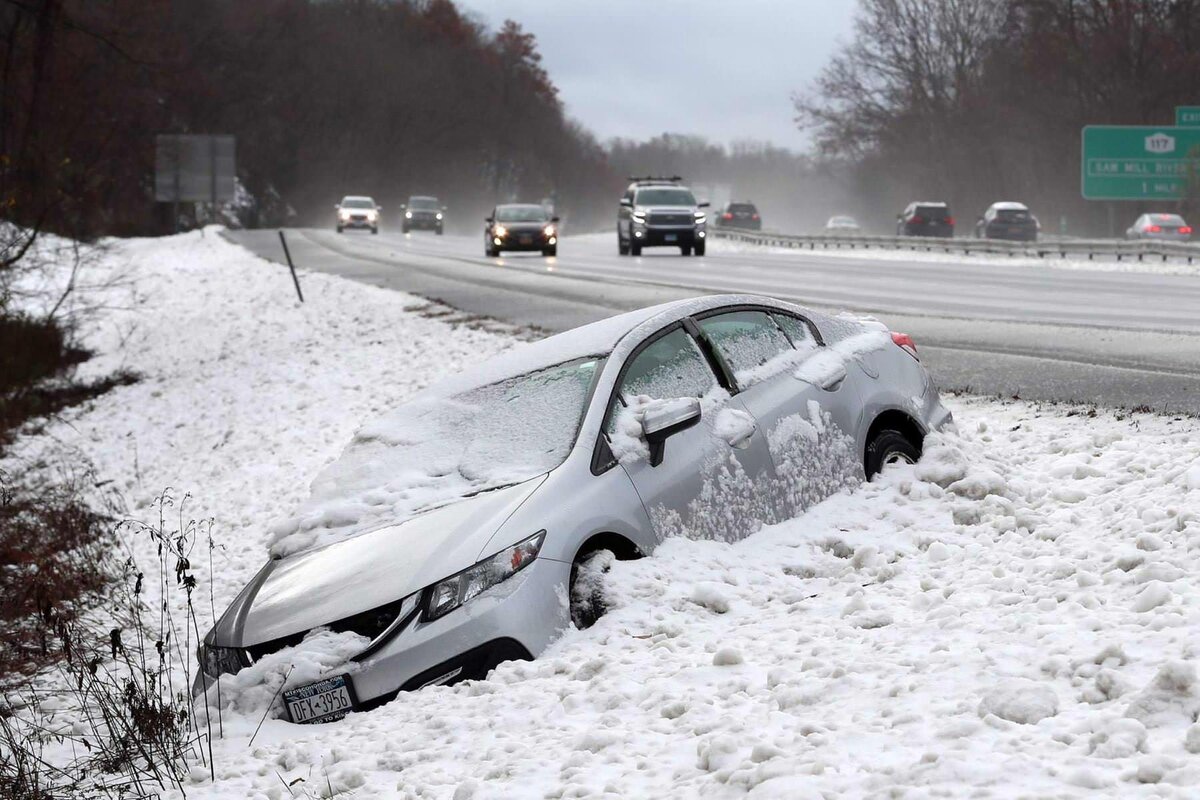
(974, 101)
(380, 97)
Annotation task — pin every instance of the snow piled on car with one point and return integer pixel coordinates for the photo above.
(1014, 616)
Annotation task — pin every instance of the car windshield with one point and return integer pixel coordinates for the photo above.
(665, 196)
(1012, 215)
(423, 203)
(521, 214)
(358, 202)
(439, 449)
(933, 212)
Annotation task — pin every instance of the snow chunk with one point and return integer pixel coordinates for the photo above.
(711, 597)
(1118, 738)
(727, 657)
(734, 427)
(1020, 700)
(1154, 595)
(1170, 696)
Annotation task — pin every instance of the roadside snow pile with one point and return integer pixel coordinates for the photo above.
(1014, 616)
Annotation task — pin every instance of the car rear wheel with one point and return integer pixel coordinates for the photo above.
(587, 587)
(889, 447)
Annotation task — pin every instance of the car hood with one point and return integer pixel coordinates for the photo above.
(317, 587)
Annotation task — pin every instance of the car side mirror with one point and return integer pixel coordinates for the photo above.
(337, 206)
(705, 204)
(626, 202)
(663, 419)
(554, 219)
(489, 219)
(379, 208)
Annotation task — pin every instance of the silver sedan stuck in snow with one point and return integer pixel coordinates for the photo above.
(467, 527)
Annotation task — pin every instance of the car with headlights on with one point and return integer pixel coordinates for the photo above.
(1007, 220)
(661, 212)
(357, 212)
(1160, 227)
(422, 213)
(520, 226)
(471, 525)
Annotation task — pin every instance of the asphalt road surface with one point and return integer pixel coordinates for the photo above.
(1120, 339)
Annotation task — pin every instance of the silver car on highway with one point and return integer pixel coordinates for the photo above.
(470, 525)
(1160, 227)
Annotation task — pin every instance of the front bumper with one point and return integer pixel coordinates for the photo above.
(655, 236)
(516, 619)
(525, 242)
(422, 223)
(358, 222)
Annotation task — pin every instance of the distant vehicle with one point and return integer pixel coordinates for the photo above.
(1160, 227)
(534, 471)
(423, 213)
(926, 219)
(357, 211)
(843, 224)
(1011, 221)
(660, 212)
(520, 226)
(739, 215)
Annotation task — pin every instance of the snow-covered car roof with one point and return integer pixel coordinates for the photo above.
(358, 197)
(1010, 206)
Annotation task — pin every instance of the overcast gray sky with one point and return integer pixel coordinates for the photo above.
(721, 68)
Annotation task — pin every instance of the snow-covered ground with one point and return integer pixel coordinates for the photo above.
(1073, 261)
(1013, 617)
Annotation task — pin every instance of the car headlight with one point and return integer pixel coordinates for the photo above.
(638, 217)
(548, 230)
(408, 215)
(447, 595)
(217, 661)
(700, 217)
(500, 231)
(344, 214)
(372, 215)
(439, 215)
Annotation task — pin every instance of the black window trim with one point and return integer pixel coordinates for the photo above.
(602, 456)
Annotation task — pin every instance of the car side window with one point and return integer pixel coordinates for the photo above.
(745, 339)
(799, 331)
(671, 367)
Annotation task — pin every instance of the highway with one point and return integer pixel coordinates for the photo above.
(1118, 339)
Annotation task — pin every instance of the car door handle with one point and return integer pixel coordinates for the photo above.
(735, 427)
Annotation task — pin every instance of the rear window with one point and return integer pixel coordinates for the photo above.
(1012, 215)
(1167, 219)
(933, 212)
(743, 208)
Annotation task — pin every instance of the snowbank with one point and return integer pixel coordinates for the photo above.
(1013, 616)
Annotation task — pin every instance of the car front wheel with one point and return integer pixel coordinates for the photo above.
(889, 447)
(699, 248)
(587, 587)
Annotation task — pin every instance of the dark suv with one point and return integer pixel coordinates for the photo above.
(660, 212)
(739, 215)
(1007, 221)
(926, 219)
(423, 213)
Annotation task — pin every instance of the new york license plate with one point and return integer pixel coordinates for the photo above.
(670, 237)
(526, 240)
(323, 701)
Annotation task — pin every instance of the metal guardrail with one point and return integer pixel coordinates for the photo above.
(1044, 248)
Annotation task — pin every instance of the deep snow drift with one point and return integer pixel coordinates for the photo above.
(1014, 616)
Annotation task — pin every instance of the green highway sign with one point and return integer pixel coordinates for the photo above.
(1126, 162)
(1187, 116)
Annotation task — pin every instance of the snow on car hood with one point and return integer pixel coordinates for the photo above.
(330, 583)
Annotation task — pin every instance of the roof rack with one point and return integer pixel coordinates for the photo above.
(654, 179)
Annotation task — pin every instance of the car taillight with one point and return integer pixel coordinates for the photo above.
(949, 220)
(727, 215)
(754, 216)
(917, 220)
(1155, 229)
(1185, 229)
(906, 343)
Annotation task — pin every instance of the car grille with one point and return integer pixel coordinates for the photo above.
(668, 218)
(358, 217)
(370, 624)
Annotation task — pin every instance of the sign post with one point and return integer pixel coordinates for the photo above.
(1127, 162)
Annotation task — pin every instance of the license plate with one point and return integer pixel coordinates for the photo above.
(323, 701)
(670, 237)
(526, 240)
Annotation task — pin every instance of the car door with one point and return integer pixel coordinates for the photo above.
(704, 486)
(809, 424)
